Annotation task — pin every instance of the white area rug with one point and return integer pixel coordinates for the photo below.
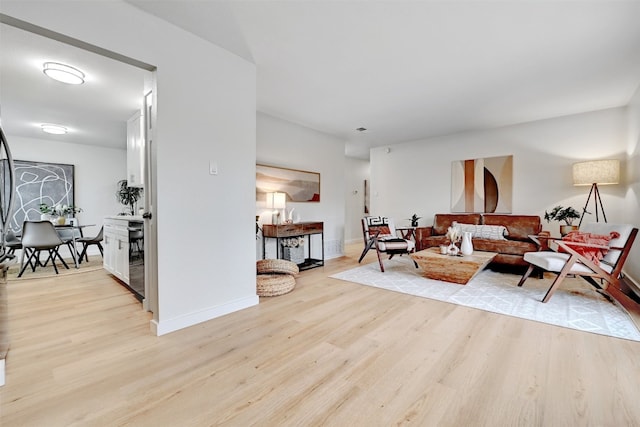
(575, 305)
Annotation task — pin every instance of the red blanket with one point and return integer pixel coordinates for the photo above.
(593, 254)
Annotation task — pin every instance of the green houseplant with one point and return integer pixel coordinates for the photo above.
(568, 215)
(58, 212)
(128, 196)
(414, 220)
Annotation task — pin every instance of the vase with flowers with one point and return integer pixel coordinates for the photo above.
(453, 235)
(58, 213)
(293, 249)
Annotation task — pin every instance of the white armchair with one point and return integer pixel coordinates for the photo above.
(574, 258)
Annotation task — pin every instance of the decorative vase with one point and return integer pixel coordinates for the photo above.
(452, 249)
(466, 247)
(61, 220)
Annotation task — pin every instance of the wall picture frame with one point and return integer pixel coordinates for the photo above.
(36, 183)
(482, 185)
(298, 185)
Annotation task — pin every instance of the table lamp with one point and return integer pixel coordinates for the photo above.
(276, 201)
(594, 173)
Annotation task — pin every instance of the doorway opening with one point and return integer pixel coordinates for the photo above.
(98, 119)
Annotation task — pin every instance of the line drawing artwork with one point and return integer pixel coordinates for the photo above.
(36, 183)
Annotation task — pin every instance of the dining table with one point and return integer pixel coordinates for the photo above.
(73, 227)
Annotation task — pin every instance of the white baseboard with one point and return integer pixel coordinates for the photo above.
(163, 327)
(635, 286)
(2, 372)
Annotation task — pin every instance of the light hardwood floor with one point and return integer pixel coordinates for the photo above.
(329, 353)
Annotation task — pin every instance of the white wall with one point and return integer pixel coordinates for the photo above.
(416, 176)
(356, 171)
(285, 144)
(205, 99)
(632, 199)
(96, 173)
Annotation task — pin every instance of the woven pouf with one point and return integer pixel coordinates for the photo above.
(271, 285)
(282, 266)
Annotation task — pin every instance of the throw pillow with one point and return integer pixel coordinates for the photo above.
(489, 232)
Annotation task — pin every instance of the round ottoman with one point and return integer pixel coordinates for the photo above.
(280, 266)
(271, 285)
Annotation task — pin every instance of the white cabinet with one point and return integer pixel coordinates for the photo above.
(135, 150)
(116, 248)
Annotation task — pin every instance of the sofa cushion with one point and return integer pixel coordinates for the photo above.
(432, 241)
(395, 244)
(519, 227)
(491, 232)
(441, 222)
(510, 247)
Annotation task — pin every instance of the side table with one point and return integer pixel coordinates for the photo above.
(408, 233)
(299, 229)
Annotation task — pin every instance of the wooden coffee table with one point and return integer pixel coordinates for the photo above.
(456, 269)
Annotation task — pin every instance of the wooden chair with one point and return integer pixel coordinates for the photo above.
(380, 233)
(572, 258)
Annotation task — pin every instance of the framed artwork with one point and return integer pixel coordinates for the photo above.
(298, 185)
(37, 182)
(367, 199)
(482, 185)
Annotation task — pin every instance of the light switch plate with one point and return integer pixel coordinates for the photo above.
(213, 168)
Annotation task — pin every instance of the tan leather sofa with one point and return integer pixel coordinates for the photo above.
(510, 249)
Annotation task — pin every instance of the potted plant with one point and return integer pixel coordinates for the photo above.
(128, 196)
(568, 215)
(57, 213)
(414, 220)
(45, 211)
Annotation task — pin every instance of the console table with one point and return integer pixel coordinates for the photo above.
(299, 229)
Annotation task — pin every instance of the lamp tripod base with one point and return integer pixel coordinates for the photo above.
(597, 200)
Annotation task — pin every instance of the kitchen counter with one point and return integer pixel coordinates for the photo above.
(126, 217)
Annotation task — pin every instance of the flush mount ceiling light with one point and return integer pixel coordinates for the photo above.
(53, 129)
(63, 73)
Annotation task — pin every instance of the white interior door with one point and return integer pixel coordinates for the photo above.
(150, 302)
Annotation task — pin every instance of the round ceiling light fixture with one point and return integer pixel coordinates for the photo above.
(53, 129)
(63, 73)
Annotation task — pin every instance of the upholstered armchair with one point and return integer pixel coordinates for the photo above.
(597, 253)
(379, 233)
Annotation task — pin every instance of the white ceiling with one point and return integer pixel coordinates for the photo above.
(95, 112)
(405, 70)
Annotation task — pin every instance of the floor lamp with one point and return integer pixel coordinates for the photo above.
(594, 173)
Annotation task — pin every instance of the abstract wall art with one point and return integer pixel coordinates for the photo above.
(37, 182)
(482, 185)
(299, 186)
